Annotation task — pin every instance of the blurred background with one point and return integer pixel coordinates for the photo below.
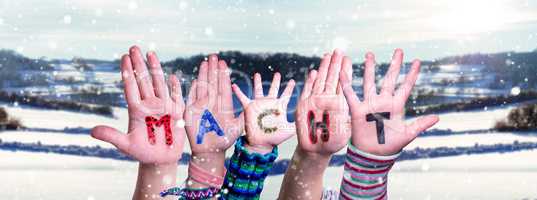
(59, 77)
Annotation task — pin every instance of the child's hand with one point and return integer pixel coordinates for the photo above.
(266, 116)
(378, 125)
(322, 117)
(210, 96)
(150, 104)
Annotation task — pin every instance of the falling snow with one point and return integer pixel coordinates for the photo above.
(515, 91)
(67, 19)
(180, 29)
(208, 31)
(133, 5)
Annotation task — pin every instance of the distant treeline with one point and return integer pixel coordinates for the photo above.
(473, 104)
(55, 104)
(279, 166)
(290, 65)
(520, 68)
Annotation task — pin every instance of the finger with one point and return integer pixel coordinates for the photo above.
(348, 91)
(347, 69)
(224, 85)
(161, 90)
(421, 124)
(111, 135)
(275, 85)
(333, 72)
(308, 85)
(142, 75)
(176, 91)
(132, 93)
(405, 89)
(213, 77)
(288, 91)
(388, 84)
(240, 95)
(202, 80)
(370, 88)
(318, 86)
(192, 94)
(258, 86)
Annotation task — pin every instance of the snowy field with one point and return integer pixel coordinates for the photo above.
(34, 118)
(503, 176)
(53, 176)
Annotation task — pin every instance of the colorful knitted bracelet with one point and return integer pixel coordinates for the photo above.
(247, 172)
(191, 194)
(365, 175)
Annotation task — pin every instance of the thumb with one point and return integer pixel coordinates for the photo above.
(110, 135)
(421, 124)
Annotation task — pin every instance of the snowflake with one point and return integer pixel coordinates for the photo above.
(133, 5)
(152, 46)
(52, 45)
(425, 167)
(180, 123)
(167, 180)
(67, 19)
(209, 31)
(183, 5)
(99, 12)
(515, 91)
(290, 24)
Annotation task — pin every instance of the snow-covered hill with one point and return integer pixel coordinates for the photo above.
(97, 178)
(59, 120)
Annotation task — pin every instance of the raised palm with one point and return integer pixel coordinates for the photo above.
(266, 116)
(148, 96)
(388, 106)
(212, 92)
(322, 114)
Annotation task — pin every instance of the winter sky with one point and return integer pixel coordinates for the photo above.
(424, 29)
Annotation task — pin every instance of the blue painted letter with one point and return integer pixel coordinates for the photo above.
(208, 123)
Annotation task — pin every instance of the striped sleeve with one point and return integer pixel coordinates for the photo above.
(365, 175)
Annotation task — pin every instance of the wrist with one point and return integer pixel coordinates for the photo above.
(261, 149)
(212, 163)
(314, 161)
(309, 156)
(154, 178)
(247, 171)
(373, 151)
(366, 173)
(389, 157)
